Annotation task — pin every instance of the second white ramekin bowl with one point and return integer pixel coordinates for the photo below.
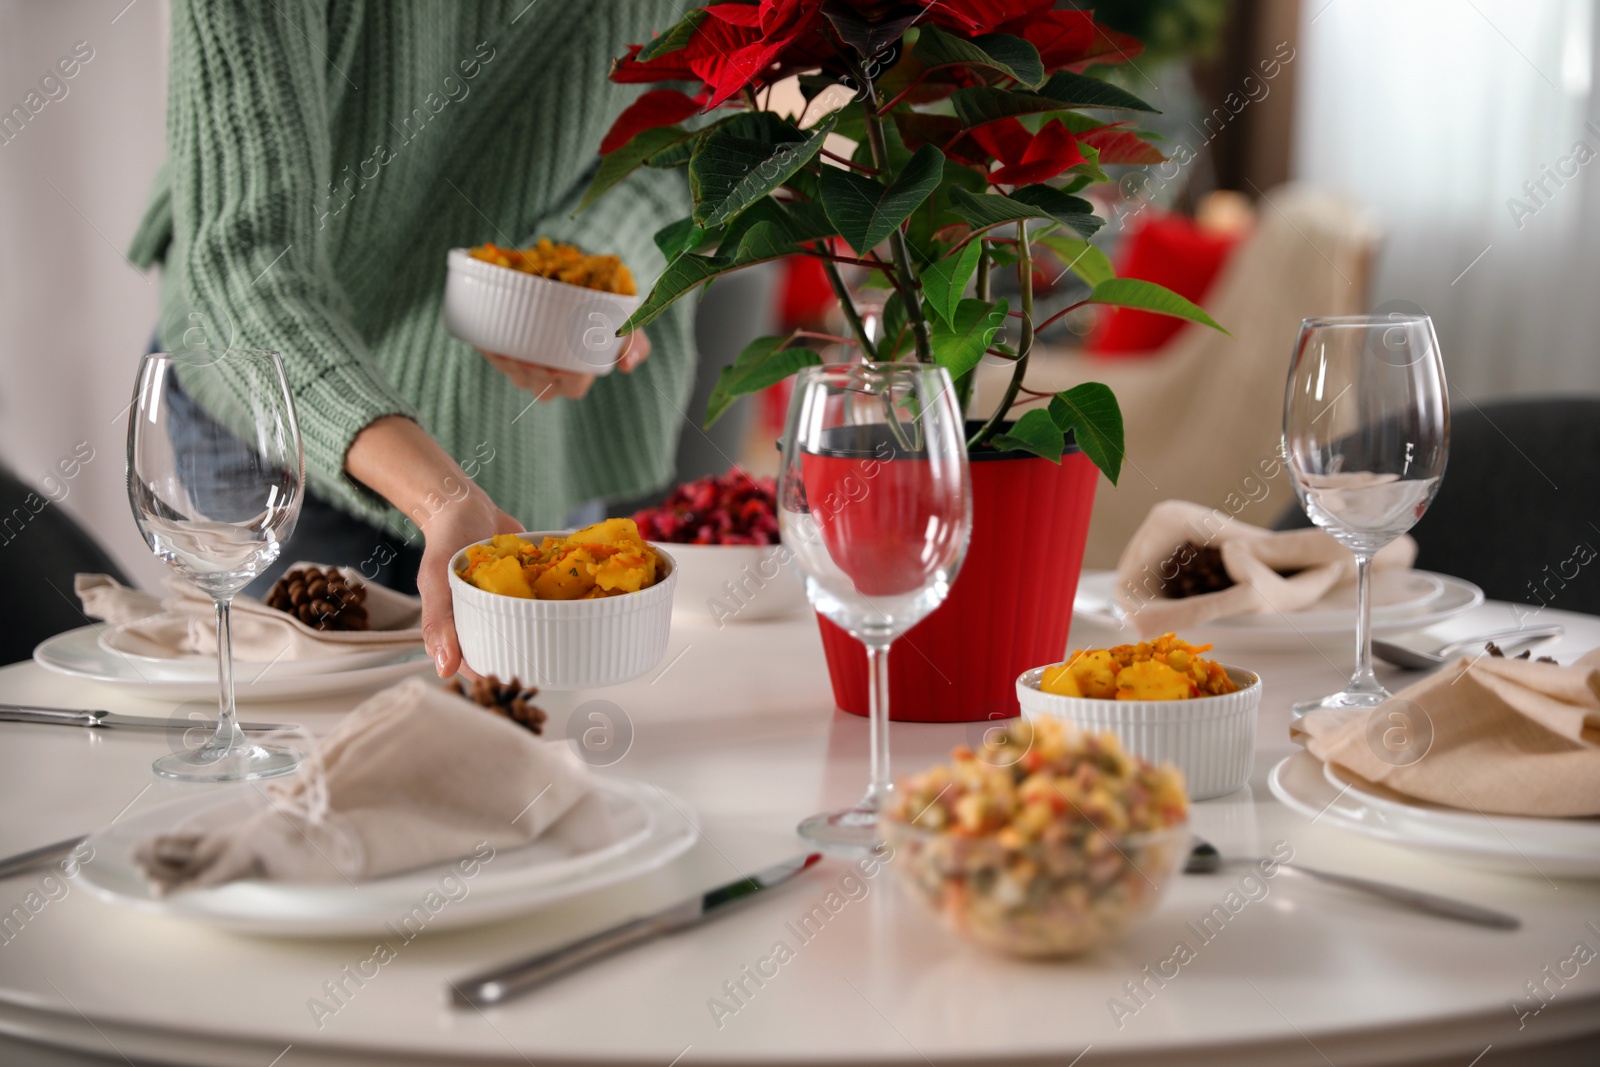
(563, 644)
(723, 584)
(532, 318)
(1212, 740)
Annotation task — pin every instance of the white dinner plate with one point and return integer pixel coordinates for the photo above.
(1319, 624)
(654, 831)
(1568, 851)
(79, 654)
(156, 660)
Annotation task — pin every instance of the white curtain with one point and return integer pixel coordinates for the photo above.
(1464, 126)
(74, 315)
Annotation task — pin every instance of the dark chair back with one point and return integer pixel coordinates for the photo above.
(41, 548)
(1518, 512)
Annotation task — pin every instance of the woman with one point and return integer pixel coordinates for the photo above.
(322, 160)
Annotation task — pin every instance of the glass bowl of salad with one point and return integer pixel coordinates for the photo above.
(1044, 841)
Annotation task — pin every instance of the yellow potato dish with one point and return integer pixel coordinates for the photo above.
(1168, 668)
(609, 558)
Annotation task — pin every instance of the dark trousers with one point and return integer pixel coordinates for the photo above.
(324, 534)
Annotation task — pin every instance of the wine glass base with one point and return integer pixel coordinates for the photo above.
(852, 830)
(1344, 700)
(239, 764)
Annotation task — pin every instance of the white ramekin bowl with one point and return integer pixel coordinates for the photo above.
(563, 644)
(531, 318)
(1212, 740)
(722, 584)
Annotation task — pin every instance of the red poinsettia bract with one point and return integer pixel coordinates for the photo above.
(1027, 157)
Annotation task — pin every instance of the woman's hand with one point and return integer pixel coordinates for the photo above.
(548, 383)
(453, 527)
(396, 458)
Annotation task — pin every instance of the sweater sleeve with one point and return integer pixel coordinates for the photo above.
(251, 92)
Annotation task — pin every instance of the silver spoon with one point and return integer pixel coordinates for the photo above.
(1205, 859)
(1412, 660)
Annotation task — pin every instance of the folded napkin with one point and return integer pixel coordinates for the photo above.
(1251, 556)
(183, 623)
(1509, 737)
(412, 777)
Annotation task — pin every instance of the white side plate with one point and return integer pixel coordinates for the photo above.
(1319, 624)
(1299, 782)
(654, 832)
(79, 654)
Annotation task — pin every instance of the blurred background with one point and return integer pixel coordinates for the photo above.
(1324, 156)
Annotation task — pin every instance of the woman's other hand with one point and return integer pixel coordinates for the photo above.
(548, 383)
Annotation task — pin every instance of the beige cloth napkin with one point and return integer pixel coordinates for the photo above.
(183, 622)
(1252, 557)
(1510, 737)
(413, 776)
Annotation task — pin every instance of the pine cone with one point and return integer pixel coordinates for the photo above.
(321, 598)
(1495, 652)
(504, 698)
(1201, 572)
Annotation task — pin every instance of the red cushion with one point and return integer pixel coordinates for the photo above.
(1172, 251)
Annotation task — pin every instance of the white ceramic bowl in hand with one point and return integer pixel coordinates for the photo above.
(1212, 739)
(722, 584)
(534, 319)
(563, 644)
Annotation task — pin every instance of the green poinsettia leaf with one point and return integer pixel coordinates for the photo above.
(1035, 432)
(896, 329)
(764, 241)
(675, 238)
(1091, 414)
(1081, 90)
(1148, 296)
(944, 283)
(1011, 56)
(978, 104)
(764, 361)
(617, 165)
(866, 211)
(989, 210)
(959, 344)
(729, 171)
(674, 39)
(1080, 257)
(798, 223)
(1071, 211)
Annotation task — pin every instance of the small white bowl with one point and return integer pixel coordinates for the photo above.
(563, 644)
(1212, 740)
(531, 318)
(722, 584)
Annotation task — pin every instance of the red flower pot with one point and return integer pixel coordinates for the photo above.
(1009, 609)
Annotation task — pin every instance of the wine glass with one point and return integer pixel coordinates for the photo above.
(216, 508)
(875, 505)
(1366, 431)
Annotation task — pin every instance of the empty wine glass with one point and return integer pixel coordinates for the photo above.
(215, 512)
(874, 504)
(1366, 431)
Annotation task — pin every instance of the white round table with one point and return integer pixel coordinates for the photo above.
(739, 722)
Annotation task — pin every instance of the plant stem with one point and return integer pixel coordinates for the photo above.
(900, 250)
(848, 306)
(1024, 346)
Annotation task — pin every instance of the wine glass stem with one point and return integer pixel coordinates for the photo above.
(1363, 680)
(228, 733)
(878, 724)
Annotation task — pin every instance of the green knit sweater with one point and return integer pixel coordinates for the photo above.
(323, 156)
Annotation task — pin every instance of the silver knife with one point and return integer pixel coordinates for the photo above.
(1416, 898)
(34, 858)
(503, 983)
(101, 718)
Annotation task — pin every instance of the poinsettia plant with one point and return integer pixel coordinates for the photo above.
(971, 143)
